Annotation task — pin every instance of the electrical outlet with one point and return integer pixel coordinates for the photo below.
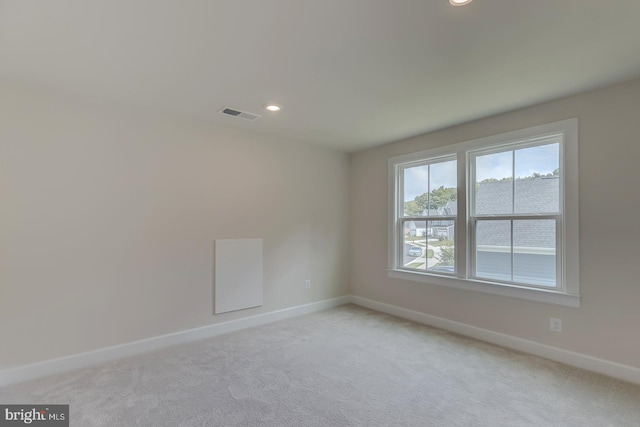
(556, 324)
(307, 284)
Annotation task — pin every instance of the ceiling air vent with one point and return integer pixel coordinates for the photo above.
(237, 113)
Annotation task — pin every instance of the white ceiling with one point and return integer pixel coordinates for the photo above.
(348, 73)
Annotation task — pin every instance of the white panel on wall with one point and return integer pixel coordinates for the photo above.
(238, 274)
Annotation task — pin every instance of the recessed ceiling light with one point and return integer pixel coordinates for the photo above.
(460, 2)
(272, 107)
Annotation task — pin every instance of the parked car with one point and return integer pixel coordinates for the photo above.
(415, 251)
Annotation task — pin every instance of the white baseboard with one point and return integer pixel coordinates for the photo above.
(594, 364)
(81, 360)
(67, 363)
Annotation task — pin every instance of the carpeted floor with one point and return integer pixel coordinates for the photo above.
(347, 366)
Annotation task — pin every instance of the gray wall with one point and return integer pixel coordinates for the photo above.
(606, 324)
(108, 217)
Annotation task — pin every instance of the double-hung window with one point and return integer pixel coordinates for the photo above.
(497, 214)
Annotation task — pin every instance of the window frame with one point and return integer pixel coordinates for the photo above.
(567, 230)
(402, 219)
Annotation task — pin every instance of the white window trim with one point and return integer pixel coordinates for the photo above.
(569, 295)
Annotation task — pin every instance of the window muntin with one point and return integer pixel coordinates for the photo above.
(538, 241)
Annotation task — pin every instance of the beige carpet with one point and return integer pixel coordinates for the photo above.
(346, 366)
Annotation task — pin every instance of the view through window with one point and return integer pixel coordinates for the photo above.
(500, 210)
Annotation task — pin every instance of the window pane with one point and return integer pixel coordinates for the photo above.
(414, 245)
(443, 188)
(494, 183)
(493, 250)
(416, 189)
(537, 181)
(441, 247)
(429, 245)
(534, 252)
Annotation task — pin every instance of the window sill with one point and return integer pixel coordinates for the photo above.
(531, 294)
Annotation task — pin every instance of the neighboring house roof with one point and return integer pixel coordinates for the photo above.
(531, 195)
(451, 208)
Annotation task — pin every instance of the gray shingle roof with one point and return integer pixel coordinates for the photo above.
(451, 208)
(532, 195)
